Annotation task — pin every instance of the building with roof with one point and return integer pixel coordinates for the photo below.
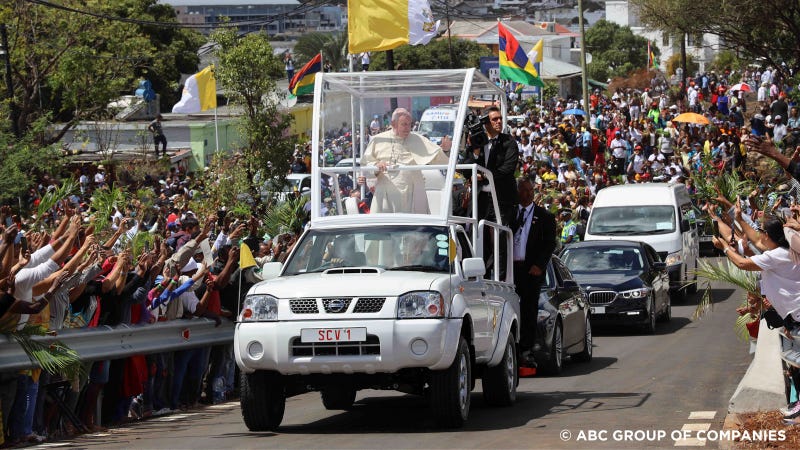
(702, 47)
(560, 58)
(275, 17)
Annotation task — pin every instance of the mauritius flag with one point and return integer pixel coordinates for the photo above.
(514, 63)
(303, 81)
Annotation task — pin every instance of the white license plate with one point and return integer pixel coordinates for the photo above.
(333, 334)
(598, 309)
(706, 238)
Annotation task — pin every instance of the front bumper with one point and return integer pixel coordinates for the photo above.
(626, 311)
(391, 345)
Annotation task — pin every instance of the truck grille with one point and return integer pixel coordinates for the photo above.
(369, 304)
(303, 306)
(372, 346)
(336, 305)
(602, 297)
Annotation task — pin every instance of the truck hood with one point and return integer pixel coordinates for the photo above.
(381, 284)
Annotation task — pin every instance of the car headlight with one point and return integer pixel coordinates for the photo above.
(673, 259)
(542, 315)
(258, 308)
(635, 293)
(420, 305)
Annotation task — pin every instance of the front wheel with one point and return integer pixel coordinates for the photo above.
(586, 354)
(650, 326)
(450, 389)
(555, 363)
(500, 382)
(263, 400)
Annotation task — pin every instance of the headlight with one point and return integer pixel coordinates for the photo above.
(258, 308)
(542, 315)
(673, 259)
(420, 305)
(636, 293)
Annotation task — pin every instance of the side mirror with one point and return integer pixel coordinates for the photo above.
(473, 267)
(270, 270)
(684, 225)
(660, 265)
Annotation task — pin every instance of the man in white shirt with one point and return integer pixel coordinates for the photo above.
(779, 130)
(656, 160)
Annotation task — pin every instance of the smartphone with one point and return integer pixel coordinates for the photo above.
(23, 243)
(147, 247)
(715, 227)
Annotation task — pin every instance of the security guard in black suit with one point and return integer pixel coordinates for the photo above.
(534, 242)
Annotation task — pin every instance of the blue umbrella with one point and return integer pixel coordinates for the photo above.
(573, 112)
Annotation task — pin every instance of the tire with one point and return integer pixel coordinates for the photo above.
(666, 316)
(500, 382)
(650, 326)
(586, 354)
(342, 398)
(450, 390)
(263, 400)
(555, 362)
(692, 288)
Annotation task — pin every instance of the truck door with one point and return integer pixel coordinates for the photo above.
(476, 295)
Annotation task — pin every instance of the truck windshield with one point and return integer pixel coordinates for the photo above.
(632, 220)
(436, 129)
(413, 248)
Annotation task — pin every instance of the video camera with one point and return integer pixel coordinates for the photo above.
(476, 131)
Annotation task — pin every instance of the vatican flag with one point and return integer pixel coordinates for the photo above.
(375, 25)
(199, 93)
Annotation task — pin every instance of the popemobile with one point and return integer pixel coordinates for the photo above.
(401, 299)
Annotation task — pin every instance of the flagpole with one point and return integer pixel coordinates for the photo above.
(216, 129)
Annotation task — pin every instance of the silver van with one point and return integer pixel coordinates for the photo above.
(658, 214)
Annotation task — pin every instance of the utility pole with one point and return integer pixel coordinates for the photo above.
(5, 53)
(584, 75)
(449, 40)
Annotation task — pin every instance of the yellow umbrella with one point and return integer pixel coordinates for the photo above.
(691, 117)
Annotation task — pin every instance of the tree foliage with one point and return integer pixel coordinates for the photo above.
(248, 69)
(674, 62)
(67, 66)
(767, 30)
(332, 45)
(434, 55)
(615, 50)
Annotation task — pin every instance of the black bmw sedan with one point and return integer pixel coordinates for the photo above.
(626, 281)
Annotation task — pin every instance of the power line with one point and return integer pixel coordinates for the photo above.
(302, 8)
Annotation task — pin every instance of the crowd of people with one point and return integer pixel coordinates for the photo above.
(64, 270)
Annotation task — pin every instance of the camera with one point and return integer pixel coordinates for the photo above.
(476, 131)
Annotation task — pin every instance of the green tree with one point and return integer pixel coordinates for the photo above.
(615, 50)
(767, 30)
(434, 55)
(173, 50)
(248, 69)
(332, 45)
(67, 66)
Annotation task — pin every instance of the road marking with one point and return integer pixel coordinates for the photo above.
(702, 415)
(695, 427)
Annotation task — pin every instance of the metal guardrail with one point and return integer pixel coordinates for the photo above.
(94, 344)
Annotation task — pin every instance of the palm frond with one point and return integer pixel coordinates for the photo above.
(54, 357)
(104, 201)
(726, 272)
(138, 243)
(740, 327)
(52, 198)
(288, 216)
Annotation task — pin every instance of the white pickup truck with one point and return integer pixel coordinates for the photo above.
(383, 301)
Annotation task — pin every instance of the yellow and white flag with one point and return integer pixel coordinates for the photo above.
(535, 55)
(199, 93)
(375, 25)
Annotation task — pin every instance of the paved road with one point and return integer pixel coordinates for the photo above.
(635, 382)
